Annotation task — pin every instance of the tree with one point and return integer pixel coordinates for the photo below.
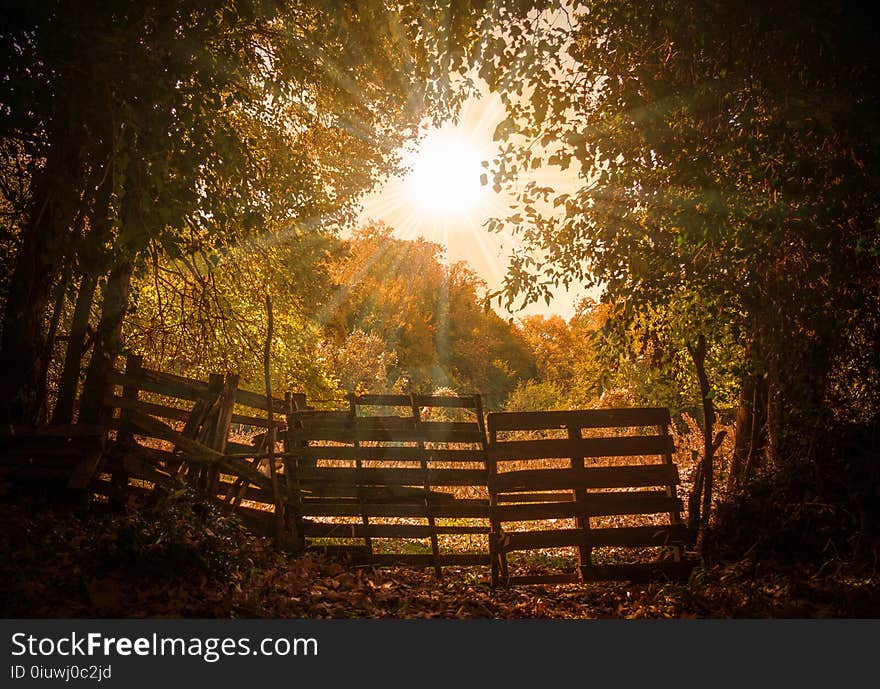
(430, 315)
(568, 372)
(726, 154)
(362, 363)
(201, 124)
(205, 313)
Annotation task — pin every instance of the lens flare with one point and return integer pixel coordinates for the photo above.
(445, 177)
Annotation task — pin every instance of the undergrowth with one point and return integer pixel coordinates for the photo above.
(820, 505)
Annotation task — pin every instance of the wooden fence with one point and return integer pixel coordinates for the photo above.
(617, 482)
(392, 479)
(170, 429)
(388, 477)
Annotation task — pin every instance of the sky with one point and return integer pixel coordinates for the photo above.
(442, 200)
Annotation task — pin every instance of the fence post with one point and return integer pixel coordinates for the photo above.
(497, 556)
(291, 475)
(674, 515)
(209, 426)
(220, 429)
(134, 364)
(580, 496)
(93, 410)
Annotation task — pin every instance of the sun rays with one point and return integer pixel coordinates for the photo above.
(441, 197)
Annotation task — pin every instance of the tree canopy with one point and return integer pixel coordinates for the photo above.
(727, 156)
(184, 128)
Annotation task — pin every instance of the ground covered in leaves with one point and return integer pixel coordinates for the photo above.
(188, 560)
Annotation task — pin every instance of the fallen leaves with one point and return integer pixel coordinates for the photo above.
(55, 564)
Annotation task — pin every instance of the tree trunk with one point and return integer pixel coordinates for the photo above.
(90, 251)
(700, 500)
(23, 344)
(757, 433)
(774, 414)
(56, 202)
(751, 427)
(43, 384)
(108, 344)
(68, 384)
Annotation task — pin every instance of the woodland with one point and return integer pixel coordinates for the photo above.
(178, 175)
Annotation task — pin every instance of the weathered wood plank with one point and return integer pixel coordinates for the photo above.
(380, 400)
(361, 555)
(378, 434)
(247, 398)
(637, 476)
(641, 571)
(139, 466)
(358, 554)
(451, 510)
(163, 384)
(375, 494)
(155, 455)
(84, 470)
(452, 426)
(252, 493)
(315, 416)
(350, 426)
(327, 530)
(418, 560)
(625, 446)
(147, 425)
(257, 421)
(67, 431)
(240, 450)
(632, 536)
(102, 487)
(260, 521)
(247, 471)
(578, 418)
(509, 498)
(390, 454)
(596, 505)
(160, 410)
(194, 451)
(174, 379)
(391, 477)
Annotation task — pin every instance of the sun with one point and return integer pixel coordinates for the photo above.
(444, 181)
(441, 198)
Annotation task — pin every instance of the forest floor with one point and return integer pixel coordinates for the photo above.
(189, 561)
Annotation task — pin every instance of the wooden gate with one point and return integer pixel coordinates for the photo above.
(538, 474)
(372, 484)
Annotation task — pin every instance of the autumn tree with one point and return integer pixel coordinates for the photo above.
(726, 154)
(567, 370)
(430, 315)
(201, 124)
(206, 313)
